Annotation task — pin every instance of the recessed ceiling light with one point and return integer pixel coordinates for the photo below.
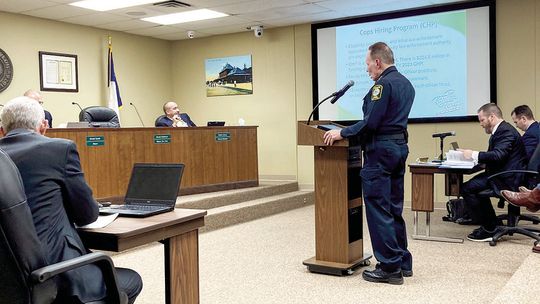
(183, 17)
(107, 5)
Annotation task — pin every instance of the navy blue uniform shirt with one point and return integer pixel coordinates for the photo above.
(386, 106)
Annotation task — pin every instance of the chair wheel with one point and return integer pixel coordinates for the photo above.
(535, 222)
(492, 243)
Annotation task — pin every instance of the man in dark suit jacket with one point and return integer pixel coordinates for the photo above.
(524, 120)
(173, 117)
(58, 197)
(37, 96)
(505, 152)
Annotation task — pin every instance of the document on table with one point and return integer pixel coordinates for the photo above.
(101, 222)
(455, 159)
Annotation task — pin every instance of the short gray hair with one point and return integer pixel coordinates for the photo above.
(22, 113)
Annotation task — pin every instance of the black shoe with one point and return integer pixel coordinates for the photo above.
(481, 235)
(405, 273)
(380, 276)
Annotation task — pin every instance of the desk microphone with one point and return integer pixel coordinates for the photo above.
(140, 119)
(78, 105)
(444, 134)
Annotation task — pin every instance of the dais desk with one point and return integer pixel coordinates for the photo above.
(215, 158)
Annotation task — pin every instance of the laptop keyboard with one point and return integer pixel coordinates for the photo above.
(140, 207)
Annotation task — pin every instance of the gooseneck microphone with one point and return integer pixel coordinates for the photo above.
(78, 105)
(444, 134)
(140, 119)
(337, 95)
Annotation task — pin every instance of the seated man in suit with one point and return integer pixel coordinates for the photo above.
(173, 117)
(58, 197)
(37, 96)
(505, 152)
(524, 120)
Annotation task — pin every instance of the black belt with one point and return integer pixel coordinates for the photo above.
(390, 136)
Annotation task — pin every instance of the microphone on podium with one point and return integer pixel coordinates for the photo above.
(78, 105)
(140, 119)
(444, 134)
(335, 96)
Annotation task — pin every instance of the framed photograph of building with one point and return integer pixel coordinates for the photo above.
(58, 72)
(229, 76)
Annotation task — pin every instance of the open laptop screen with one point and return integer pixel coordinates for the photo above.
(156, 183)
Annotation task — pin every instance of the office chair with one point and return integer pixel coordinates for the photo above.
(530, 178)
(158, 119)
(98, 116)
(25, 276)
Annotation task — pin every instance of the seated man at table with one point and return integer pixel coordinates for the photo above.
(37, 96)
(524, 120)
(173, 117)
(58, 197)
(505, 152)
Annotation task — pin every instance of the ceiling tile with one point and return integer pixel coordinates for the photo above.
(203, 24)
(127, 25)
(59, 12)
(325, 16)
(17, 6)
(154, 31)
(256, 6)
(181, 36)
(95, 19)
(299, 10)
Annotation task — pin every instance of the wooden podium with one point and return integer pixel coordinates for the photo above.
(338, 203)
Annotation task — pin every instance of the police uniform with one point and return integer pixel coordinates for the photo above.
(384, 133)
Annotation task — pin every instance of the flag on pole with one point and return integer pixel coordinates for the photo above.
(115, 101)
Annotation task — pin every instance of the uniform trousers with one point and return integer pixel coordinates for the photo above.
(382, 184)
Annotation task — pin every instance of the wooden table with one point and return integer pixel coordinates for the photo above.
(423, 176)
(177, 230)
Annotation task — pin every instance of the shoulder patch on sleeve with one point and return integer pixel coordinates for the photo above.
(376, 92)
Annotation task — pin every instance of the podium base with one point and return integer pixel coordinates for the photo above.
(337, 269)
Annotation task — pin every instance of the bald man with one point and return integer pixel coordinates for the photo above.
(173, 117)
(37, 96)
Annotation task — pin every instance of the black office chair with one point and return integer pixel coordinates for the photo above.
(100, 117)
(25, 276)
(529, 178)
(158, 119)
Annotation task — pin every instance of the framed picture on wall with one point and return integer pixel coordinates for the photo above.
(229, 76)
(58, 72)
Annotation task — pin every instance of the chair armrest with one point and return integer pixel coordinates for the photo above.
(103, 261)
(513, 172)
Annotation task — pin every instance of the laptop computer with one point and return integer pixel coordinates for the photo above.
(152, 189)
(215, 123)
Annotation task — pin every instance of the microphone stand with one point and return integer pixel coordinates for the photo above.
(440, 160)
(140, 119)
(317, 106)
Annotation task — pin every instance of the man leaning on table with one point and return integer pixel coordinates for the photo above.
(505, 152)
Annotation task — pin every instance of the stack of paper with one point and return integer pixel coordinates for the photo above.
(455, 159)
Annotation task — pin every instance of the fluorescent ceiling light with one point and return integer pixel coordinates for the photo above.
(107, 5)
(183, 17)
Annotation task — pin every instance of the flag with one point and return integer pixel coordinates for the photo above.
(115, 101)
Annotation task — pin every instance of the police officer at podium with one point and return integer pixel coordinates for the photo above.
(383, 132)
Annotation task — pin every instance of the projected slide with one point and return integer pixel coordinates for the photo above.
(444, 55)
